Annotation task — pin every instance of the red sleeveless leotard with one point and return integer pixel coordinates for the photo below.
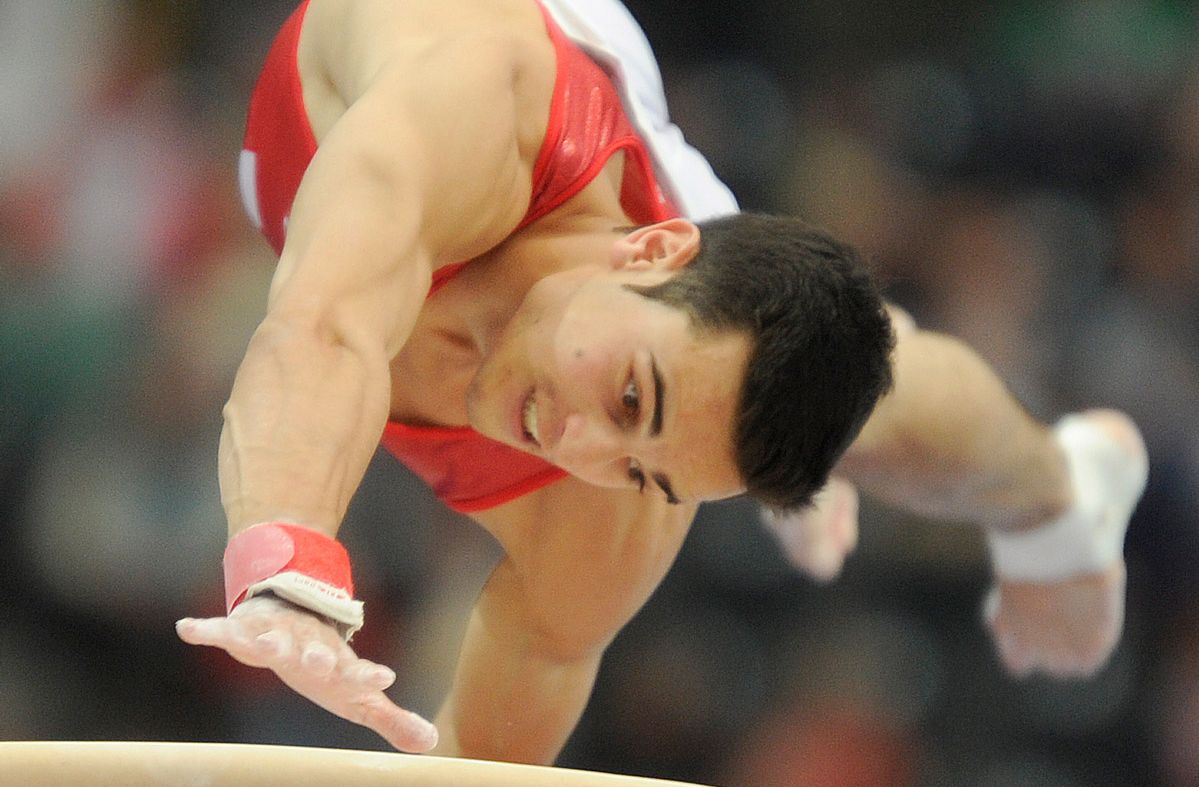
(587, 125)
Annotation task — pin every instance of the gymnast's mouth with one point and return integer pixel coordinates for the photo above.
(528, 421)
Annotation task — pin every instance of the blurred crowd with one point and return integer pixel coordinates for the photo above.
(1023, 174)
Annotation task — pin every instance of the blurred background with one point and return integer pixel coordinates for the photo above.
(1023, 174)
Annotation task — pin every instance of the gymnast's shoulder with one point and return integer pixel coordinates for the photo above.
(349, 43)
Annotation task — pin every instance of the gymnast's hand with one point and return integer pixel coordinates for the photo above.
(310, 657)
(817, 539)
(1064, 629)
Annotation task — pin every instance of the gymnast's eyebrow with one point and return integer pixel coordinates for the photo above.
(655, 427)
(664, 484)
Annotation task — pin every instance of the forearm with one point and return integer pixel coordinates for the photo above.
(313, 391)
(301, 424)
(521, 715)
(951, 442)
(515, 696)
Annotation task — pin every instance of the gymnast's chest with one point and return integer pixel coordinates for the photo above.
(430, 375)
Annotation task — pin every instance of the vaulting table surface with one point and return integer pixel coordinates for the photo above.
(152, 764)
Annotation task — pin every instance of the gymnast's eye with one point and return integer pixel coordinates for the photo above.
(630, 401)
(636, 475)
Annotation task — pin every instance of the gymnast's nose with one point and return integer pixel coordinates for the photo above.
(591, 448)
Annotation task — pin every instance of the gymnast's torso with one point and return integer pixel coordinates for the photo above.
(590, 162)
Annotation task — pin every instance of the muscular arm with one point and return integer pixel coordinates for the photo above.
(518, 691)
(575, 574)
(312, 392)
(426, 167)
(430, 164)
(947, 442)
(951, 442)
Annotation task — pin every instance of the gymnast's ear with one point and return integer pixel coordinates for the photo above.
(666, 245)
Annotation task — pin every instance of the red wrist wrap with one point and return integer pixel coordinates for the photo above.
(271, 548)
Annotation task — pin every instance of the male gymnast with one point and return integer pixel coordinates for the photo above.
(498, 258)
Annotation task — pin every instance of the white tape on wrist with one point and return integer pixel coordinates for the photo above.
(1107, 481)
(321, 598)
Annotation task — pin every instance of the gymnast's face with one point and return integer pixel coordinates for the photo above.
(613, 387)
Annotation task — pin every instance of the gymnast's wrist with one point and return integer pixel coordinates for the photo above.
(1065, 548)
(273, 597)
(297, 564)
(1106, 478)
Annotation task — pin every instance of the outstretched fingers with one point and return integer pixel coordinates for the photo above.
(354, 690)
(310, 657)
(402, 729)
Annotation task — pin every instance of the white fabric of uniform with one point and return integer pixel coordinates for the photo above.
(607, 32)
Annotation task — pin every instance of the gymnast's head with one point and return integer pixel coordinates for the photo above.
(696, 362)
(820, 345)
